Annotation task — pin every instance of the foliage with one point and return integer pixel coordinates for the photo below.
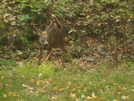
(109, 21)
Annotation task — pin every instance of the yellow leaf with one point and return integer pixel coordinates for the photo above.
(61, 89)
(55, 6)
(85, 89)
(15, 93)
(117, 20)
(74, 89)
(31, 91)
(69, 82)
(79, 90)
(5, 96)
(38, 83)
(2, 77)
(21, 100)
(10, 93)
(31, 80)
(22, 76)
(88, 98)
(56, 88)
(115, 100)
(99, 24)
(10, 86)
(87, 16)
(73, 95)
(41, 91)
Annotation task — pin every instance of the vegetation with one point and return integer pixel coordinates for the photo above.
(99, 40)
(106, 22)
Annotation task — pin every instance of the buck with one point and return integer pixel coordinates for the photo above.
(50, 39)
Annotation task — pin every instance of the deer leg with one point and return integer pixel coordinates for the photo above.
(63, 56)
(40, 55)
(49, 53)
(63, 59)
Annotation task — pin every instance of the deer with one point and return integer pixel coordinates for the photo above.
(50, 39)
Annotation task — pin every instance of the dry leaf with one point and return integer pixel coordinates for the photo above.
(31, 80)
(69, 82)
(93, 95)
(125, 97)
(73, 95)
(1, 85)
(37, 83)
(31, 91)
(115, 100)
(49, 80)
(85, 89)
(15, 94)
(2, 77)
(61, 89)
(5, 96)
(24, 85)
(10, 93)
(88, 98)
(98, 98)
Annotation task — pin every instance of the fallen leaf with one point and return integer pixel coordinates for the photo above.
(31, 80)
(98, 98)
(93, 95)
(5, 96)
(69, 82)
(88, 97)
(31, 92)
(10, 93)
(125, 97)
(2, 77)
(73, 95)
(85, 89)
(61, 89)
(24, 85)
(74, 89)
(82, 96)
(38, 83)
(49, 80)
(68, 98)
(1, 85)
(15, 94)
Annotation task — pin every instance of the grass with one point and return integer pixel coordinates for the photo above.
(48, 83)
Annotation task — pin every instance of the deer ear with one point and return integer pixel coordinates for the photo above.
(53, 18)
(56, 21)
(39, 34)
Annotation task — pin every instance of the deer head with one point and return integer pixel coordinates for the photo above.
(44, 35)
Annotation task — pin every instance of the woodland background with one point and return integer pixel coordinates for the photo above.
(103, 30)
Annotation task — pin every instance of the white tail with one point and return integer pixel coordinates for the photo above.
(51, 38)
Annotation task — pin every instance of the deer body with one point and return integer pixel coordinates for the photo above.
(55, 40)
(50, 39)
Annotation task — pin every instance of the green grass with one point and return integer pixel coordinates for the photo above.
(48, 83)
